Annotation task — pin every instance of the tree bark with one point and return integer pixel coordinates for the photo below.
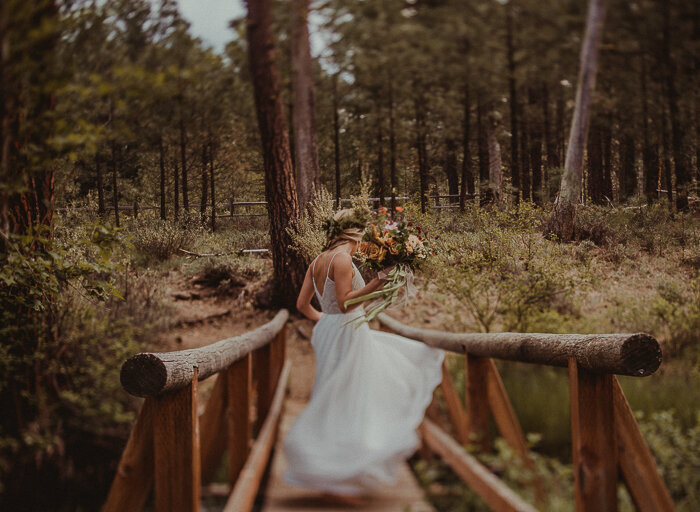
(595, 164)
(380, 162)
(668, 165)
(308, 172)
(553, 161)
(679, 160)
(628, 171)
(280, 191)
(392, 145)
(564, 214)
(336, 140)
(467, 184)
(183, 160)
(512, 88)
(176, 190)
(650, 151)
(100, 185)
(485, 192)
(212, 184)
(607, 158)
(161, 153)
(449, 166)
(205, 188)
(422, 154)
(115, 190)
(525, 129)
(536, 128)
(495, 166)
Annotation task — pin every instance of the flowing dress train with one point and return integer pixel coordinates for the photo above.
(369, 396)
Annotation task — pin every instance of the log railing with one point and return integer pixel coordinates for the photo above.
(606, 440)
(173, 449)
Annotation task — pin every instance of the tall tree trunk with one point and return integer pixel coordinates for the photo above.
(467, 184)
(679, 160)
(161, 152)
(100, 185)
(560, 115)
(512, 88)
(536, 128)
(392, 145)
(668, 166)
(280, 190)
(449, 166)
(336, 140)
(205, 188)
(183, 160)
(212, 184)
(607, 158)
(550, 141)
(525, 128)
(176, 190)
(595, 164)
(564, 215)
(422, 154)
(628, 172)
(308, 172)
(650, 151)
(485, 192)
(115, 190)
(495, 165)
(380, 162)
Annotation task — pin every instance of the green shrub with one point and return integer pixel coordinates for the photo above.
(158, 240)
(69, 318)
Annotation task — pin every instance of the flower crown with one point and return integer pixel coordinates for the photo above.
(334, 227)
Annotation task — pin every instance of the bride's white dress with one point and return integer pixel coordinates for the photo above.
(369, 396)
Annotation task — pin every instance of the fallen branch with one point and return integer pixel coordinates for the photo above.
(215, 254)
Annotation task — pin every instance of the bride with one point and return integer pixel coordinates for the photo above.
(371, 388)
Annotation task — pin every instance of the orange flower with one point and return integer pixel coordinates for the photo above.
(399, 209)
(383, 209)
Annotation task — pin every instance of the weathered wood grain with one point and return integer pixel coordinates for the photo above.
(212, 425)
(150, 374)
(636, 354)
(238, 416)
(176, 440)
(637, 464)
(454, 406)
(243, 496)
(262, 379)
(495, 493)
(477, 403)
(134, 479)
(593, 440)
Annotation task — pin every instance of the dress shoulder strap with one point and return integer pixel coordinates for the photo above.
(313, 272)
(328, 272)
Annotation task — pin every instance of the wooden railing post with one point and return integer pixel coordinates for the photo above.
(238, 416)
(212, 425)
(177, 455)
(477, 404)
(593, 439)
(262, 377)
(134, 478)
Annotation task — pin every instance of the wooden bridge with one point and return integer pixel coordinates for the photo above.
(174, 450)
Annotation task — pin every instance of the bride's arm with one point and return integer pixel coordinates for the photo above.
(304, 300)
(342, 276)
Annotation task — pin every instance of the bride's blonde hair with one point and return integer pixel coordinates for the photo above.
(343, 227)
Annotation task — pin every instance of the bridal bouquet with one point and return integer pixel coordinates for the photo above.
(397, 245)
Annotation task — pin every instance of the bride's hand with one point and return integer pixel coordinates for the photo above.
(384, 273)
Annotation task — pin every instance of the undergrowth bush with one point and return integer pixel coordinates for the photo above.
(158, 240)
(70, 316)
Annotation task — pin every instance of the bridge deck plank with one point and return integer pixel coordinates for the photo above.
(281, 497)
